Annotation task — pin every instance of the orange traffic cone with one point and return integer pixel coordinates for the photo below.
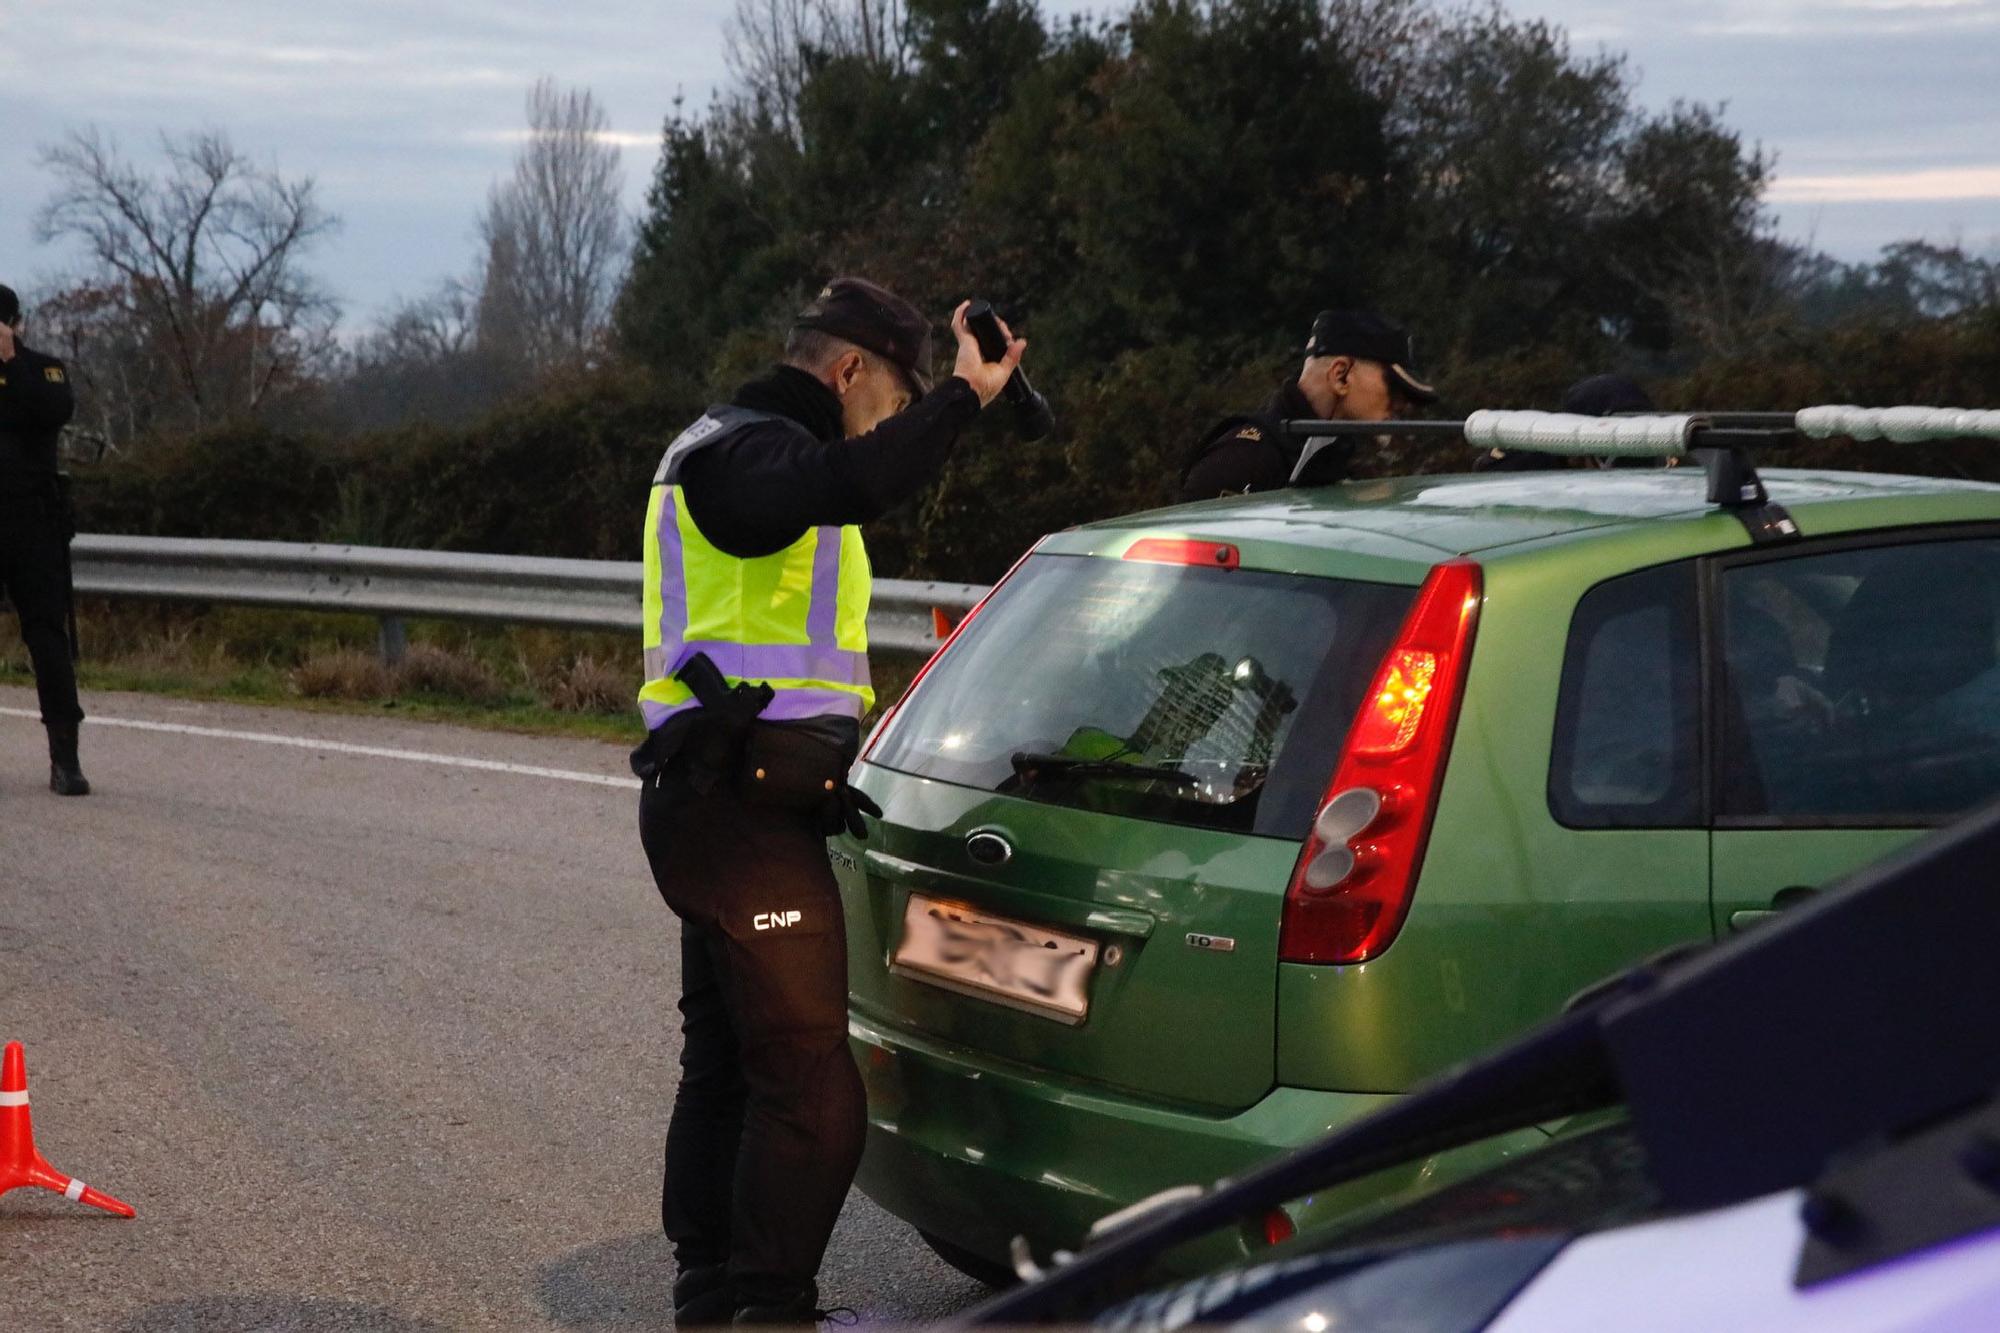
(940, 622)
(20, 1164)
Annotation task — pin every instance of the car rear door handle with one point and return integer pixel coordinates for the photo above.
(1789, 896)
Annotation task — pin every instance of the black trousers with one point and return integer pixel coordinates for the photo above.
(34, 571)
(770, 1115)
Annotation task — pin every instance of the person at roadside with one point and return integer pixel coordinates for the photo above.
(36, 402)
(756, 604)
(1358, 367)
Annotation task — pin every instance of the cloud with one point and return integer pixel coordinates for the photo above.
(406, 113)
(1945, 184)
(615, 138)
(1815, 18)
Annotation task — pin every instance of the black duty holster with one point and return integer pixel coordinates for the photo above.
(726, 747)
(713, 748)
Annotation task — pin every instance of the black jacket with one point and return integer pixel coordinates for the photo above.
(1249, 452)
(35, 404)
(759, 491)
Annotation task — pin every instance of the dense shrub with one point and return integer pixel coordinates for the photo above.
(1162, 197)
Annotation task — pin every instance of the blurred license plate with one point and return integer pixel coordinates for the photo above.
(996, 958)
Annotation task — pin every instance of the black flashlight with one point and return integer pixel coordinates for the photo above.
(1032, 417)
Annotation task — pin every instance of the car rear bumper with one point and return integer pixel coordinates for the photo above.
(978, 1152)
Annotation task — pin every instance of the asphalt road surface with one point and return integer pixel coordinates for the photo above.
(370, 1042)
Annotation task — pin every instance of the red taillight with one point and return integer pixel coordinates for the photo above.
(1390, 716)
(889, 714)
(1351, 889)
(1279, 1227)
(1176, 551)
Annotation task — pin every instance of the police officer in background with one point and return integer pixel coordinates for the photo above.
(35, 404)
(756, 605)
(1359, 367)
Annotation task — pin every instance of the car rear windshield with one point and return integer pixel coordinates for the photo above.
(1215, 698)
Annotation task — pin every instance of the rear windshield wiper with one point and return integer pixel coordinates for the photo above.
(1028, 766)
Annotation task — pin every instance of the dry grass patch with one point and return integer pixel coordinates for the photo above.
(429, 669)
(344, 673)
(586, 685)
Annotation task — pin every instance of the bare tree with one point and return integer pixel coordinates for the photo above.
(435, 327)
(773, 46)
(1938, 280)
(200, 263)
(110, 363)
(422, 361)
(553, 232)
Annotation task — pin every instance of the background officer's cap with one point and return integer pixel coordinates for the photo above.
(872, 316)
(1603, 395)
(1369, 337)
(10, 305)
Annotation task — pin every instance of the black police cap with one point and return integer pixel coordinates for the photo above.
(871, 316)
(1605, 395)
(10, 304)
(1369, 337)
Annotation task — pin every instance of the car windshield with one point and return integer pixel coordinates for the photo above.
(1216, 698)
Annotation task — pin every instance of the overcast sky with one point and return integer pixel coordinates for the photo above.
(1885, 114)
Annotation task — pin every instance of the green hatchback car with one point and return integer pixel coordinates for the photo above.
(1216, 827)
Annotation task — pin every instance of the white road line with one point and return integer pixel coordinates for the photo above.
(340, 747)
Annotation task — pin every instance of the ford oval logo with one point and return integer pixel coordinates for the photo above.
(989, 848)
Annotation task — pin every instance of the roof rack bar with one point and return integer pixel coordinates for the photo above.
(1716, 441)
(1902, 425)
(1662, 434)
(1436, 430)
(1775, 421)
(1719, 440)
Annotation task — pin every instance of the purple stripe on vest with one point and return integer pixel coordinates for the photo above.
(823, 619)
(673, 584)
(769, 661)
(782, 661)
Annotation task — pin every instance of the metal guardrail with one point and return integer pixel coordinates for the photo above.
(392, 584)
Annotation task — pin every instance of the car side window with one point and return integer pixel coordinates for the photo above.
(1861, 685)
(1627, 750)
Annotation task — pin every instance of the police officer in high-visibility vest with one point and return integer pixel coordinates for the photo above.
(35, 404)
(756, 606)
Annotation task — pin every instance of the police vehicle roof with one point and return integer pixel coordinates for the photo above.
(1467, 514)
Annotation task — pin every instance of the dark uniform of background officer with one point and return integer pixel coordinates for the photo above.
(1359, 367)
(770, 1113)
(1598, 396)
(35, 404)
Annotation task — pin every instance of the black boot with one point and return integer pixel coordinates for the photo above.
(65, 773)
(703, 1297)
(788, 1306)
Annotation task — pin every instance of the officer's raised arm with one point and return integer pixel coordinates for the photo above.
(857, 428)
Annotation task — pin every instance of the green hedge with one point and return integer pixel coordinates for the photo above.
(564, 471)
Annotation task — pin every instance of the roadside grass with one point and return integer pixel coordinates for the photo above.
(503, 678)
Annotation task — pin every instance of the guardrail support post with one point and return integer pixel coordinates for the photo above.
(395, 640)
